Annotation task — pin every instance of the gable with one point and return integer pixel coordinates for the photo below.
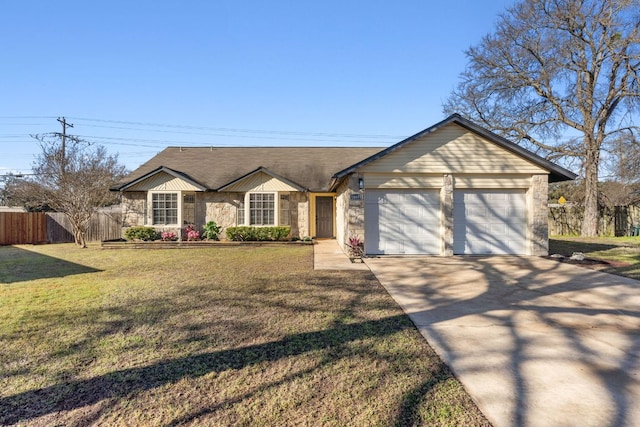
(164, 182)
(259, 181)
(452, 149)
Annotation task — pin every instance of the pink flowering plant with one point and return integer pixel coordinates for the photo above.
(356, 247)
(192, 233)
(167, 236)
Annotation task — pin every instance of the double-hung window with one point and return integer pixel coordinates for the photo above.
(262, 208)
(165, 208)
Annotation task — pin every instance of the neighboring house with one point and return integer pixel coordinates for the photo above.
(454, 188)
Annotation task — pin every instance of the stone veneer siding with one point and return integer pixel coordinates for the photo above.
(299, 207)
(220, 207)
(133, 208)
(349, 213)
(446, 206)
(223, 209)
(539, 215)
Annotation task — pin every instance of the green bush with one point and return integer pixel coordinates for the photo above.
(211, 230)
(141, 233)
(245, 233)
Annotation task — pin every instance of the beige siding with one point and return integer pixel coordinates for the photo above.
(381, 181)
(452, 149)
(259, 182)
(163, 181)
(492, 181)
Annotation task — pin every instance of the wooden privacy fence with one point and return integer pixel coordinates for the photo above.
(103, 226)
(614, 221)
(22, 228)
(54, 227)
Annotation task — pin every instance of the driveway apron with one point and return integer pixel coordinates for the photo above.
(534, 341)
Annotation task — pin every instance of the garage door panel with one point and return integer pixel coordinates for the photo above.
(402, 222)
(489, 222)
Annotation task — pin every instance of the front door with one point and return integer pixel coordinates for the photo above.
(324, 216)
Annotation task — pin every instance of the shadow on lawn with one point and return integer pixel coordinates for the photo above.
(119, 384)
(20, 265)
(568, 247)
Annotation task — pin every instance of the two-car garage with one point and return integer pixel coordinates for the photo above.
(402, 222)
(452, 189)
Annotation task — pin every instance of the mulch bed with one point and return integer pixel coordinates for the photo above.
(592, 263)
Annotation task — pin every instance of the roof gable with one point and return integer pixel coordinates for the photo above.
(261, 180)
(453, 145)
(453, 149)
(162, 178)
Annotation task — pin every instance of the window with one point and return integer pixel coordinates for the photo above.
(261, 209)
(264, 209)
(285, 213)
(241, 212)
(188, 208)
(165, 208)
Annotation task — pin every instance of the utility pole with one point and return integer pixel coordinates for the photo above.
(64, 123)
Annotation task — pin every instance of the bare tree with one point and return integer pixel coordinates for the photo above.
(622, 160)
(74, 180)
(562, 78)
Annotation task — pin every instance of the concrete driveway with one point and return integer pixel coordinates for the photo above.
(534, 341)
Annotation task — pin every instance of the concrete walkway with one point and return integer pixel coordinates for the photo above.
(535, 342)
(327, 255)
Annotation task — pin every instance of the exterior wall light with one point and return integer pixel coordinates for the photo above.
(361, 183)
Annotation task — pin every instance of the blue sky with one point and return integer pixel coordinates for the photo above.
(138, 76)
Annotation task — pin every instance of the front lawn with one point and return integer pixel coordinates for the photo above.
(619, 255)
(210, 336)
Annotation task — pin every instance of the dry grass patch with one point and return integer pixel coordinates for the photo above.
(211, 336)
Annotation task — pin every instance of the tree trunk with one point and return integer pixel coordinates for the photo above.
(590, 220)
(79, 232)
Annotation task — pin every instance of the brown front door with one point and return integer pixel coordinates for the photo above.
(324, 216)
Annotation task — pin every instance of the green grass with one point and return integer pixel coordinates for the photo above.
(211, 336)
(622, 253)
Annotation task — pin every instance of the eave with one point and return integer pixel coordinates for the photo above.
(161, 169)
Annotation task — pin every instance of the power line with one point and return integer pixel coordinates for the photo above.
(233, 130)
(26, 117)
(227, 132)
(207, 144)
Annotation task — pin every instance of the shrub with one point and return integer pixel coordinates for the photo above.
(211, 230)
(245, 233)
(192, 233)
(356, 247)
(141, 233)
(168, 236)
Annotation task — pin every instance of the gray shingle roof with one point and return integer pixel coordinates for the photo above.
(215, 167)
(312, 168)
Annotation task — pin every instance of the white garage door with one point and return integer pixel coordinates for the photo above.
(489, 222)
(402, 222)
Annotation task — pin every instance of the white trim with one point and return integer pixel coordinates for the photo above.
(149, 214)
(247, 209)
